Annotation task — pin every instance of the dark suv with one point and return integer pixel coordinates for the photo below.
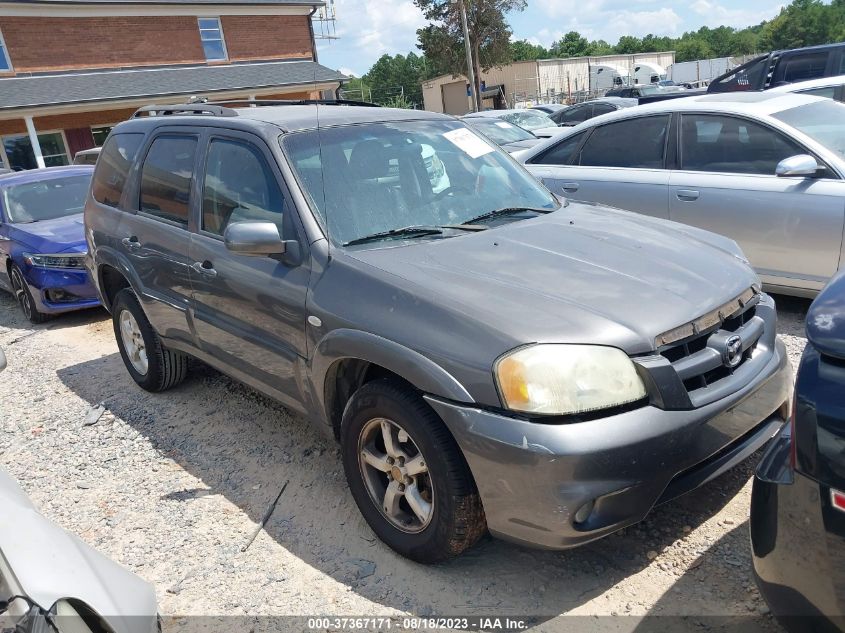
(489, 356)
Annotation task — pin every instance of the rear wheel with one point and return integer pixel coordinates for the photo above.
(24, 297)
(149, 362)
(407, 474)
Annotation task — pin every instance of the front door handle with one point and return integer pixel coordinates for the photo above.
(204, 268)
(687, 195)
(570, 187)
(131, 243)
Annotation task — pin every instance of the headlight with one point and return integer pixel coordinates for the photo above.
(566, 379)
(60, 260)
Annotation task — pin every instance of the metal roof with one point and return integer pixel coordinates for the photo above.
(152, 83)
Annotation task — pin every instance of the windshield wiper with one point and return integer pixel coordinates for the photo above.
(410, 231)
(505, 211)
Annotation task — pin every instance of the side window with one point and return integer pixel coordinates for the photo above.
(803, 67)
(239, 187)
(166, 178)
(829, 92)
(561, 154)
(576, 114)
(602, 108)
(636, 143)
(726, 144)
(113, 167)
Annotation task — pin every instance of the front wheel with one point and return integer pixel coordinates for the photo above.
(407, 474)
(24, 297)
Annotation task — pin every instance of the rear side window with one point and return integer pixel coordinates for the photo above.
(729, 145)
(239, 187)
(561, 154)
(166, 178)
(113, 167)
(576, 114)
(749, 76)
(803, 67)
(602, 108)
(828, 92)
(634, 143)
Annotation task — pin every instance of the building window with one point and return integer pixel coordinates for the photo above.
(100, 132)
(211, 34)
(5, 62)
(19, 152)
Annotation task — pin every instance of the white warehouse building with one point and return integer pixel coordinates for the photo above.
(545, 81)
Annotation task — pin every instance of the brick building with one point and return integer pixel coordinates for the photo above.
(71, 69)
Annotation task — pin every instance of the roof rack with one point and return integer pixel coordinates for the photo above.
(284, 102)
(188, 108)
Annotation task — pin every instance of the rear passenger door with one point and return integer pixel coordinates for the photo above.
(249, 310)
(154, 236)
(790, 228)
(621, 164)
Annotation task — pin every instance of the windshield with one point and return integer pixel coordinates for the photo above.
(366, 179)
(46, 199)
(823, 121)
(529, 120)
(499, 131)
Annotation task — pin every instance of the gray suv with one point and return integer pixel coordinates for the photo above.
(490, 357)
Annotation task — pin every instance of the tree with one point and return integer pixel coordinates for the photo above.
(489, 35)
(802, 23)
(571, 45)
(628, 44)
(523, 50)
(692, 48)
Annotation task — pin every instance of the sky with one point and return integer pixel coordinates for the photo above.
(367, 29)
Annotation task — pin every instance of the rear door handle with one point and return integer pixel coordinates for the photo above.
(204, 268)
(688, 195)
(570, 187)
(131, 243)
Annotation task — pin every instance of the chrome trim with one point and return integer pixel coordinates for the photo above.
(708, 320)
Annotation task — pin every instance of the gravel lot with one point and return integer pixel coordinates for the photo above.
(172, 486)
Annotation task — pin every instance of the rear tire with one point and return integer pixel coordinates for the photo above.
(151, 365)
(24, 297)
(428, 512)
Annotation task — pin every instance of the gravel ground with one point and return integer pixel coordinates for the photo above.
(172, 485)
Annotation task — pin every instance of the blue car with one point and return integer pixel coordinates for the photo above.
(42, 240)
(798, 496)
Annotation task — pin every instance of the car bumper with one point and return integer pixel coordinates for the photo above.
(797, 544)
(533, 478)
(75, 287)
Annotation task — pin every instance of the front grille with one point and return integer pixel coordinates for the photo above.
(712, 354)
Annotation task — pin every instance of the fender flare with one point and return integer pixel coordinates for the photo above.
(109, 257)
(422, 372)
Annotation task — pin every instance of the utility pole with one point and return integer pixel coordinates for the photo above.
(470, 68)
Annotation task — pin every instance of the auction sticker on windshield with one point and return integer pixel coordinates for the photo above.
(468, 142)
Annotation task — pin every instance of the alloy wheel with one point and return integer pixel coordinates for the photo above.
(396, 475)
(133, 342)
(19, 286)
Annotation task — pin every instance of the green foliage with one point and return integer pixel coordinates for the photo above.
(523, 50)
(442, 41)
(392, 81)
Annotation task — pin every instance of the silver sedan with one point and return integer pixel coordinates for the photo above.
(764, 169)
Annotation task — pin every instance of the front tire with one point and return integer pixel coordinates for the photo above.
(151, 365)
(407, 474)
(24, 297)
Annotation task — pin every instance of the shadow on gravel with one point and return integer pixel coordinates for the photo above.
(12, 318)
(233, 439)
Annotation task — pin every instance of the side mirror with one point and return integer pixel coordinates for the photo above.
(799, 165)
(254, 238)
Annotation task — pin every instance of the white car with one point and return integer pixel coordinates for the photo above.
(829, 87)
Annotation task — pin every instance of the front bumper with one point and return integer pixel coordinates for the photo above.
(76, 284)
(533, 478)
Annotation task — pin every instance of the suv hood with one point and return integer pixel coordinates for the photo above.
(585, 273)
(51, 236)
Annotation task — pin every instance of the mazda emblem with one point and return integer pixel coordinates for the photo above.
(733, 351)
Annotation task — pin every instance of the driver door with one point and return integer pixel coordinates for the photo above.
(249, 311)
(789, 228)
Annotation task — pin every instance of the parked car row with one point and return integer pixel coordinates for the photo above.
(490, 356)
